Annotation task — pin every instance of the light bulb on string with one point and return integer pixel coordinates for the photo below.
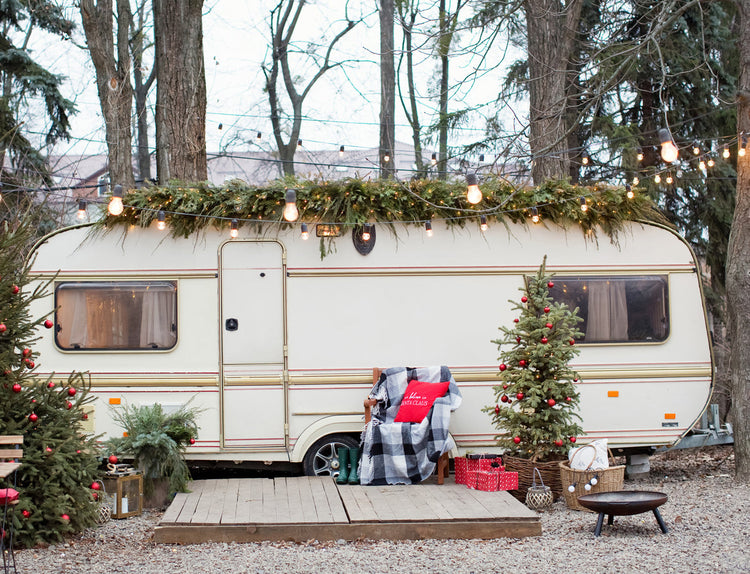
(636, 180)
(669, 179)
(696, 149)
(534, 214)
(81, 215)
(341, 151)
(291, 213)
(678, 174)
(304, 233)
(386, 158)
(481, 158)
(428, 228)
(483, 223)
(366, 232)
(711, 162)
(725, 153)
(743, 145)
(702, 165)
(433, 159)
(234, 229)
(259, 137)
(473, 193)
(115, 206)
(639, 155)
(629, 192)
(657, 178)
(299, 144)
(584, 205)
(669, 151)
(585, 158)
(161, 223)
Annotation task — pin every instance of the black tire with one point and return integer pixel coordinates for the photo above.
(321, 459)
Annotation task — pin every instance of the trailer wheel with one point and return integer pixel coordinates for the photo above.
(322, 457)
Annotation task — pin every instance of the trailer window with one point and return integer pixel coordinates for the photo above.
(617, 309)
(121, 315)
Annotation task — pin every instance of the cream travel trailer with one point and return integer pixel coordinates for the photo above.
(277, 344)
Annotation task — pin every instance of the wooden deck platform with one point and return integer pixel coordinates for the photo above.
(305, 508)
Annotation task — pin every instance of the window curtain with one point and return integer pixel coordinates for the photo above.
(608, 312)
(157, 318)
(72, 318)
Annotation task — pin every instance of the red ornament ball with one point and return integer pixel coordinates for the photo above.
(550, 284)
(551, 402)
(504, 399)
(15, 289)
(519, 396)
(25, 513)
(65, 517)
(192, 440)
(524, 299)
(572, 342)
(71, 391)
(517, 439)
(497, 409)
(33, 417)
(26, 352)
(48, 324)
(69, 405)
(78, 452)
(546, 309)
(518, 339)
(515, 320)
(33, 401)
(568, 399)
(16, 388)
(575, 380)
(503, 366)
(572, 439)
(31, 364)
(3, 328)
(95, 486)
(549, 325)
(559, 442)
(48, 449)
(50, 385)
(113, 459)
(95, 495)
(505, 386)
(544, 340)
(85, 417)
(522, 363)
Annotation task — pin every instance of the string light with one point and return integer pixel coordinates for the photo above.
(696, 148)
(483, 223)
(81, 215)
(259, 137)
(366, 232)
(473, 193)
(115, 206)
(657, 178)
(629, 192)
(161, 223)
(481, 157)
(299, 144)
(669, 179)
(428, 228)
(639, 157)
(291, 213)
(386, 158)
(711, 162)
(702, 165)
(669, 151)
(725, 153)
(743, 145)
(234, 229)
(433, 159)
(305, 234)
(534, 214)
(585, 159)
(584, 205)
(636, 181)
(341, 151)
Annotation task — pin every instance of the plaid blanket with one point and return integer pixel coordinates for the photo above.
(406, 453)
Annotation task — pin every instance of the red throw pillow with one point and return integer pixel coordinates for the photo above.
(418, 400)
(8, 495)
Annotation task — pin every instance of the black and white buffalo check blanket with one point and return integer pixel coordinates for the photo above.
(406, 453)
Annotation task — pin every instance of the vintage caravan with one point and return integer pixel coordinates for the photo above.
(277, 344)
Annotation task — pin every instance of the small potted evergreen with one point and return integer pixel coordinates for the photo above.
(156, 441)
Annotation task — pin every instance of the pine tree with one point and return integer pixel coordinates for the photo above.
(537, 400)
(59, 459)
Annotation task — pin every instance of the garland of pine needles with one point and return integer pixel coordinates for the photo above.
(191, 208)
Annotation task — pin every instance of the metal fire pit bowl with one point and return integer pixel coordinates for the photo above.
(624, 503)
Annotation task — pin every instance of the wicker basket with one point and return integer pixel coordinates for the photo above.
(608, 480)
(550, 472)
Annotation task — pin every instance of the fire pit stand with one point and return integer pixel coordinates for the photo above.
(624, 503)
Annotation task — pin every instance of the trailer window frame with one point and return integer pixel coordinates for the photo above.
(116, 310)
(643, 302)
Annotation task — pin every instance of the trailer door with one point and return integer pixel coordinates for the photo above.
(253, 389)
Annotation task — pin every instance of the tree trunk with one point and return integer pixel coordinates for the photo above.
(387, 90)
(551, 27)
(738, 269)
(444, 42)
(412, 112)
(112, 81)
(180, 91)
(141, 89)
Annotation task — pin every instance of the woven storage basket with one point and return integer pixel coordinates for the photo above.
(550, 472)
(609, 480)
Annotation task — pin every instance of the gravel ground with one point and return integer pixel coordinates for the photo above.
(707, 514)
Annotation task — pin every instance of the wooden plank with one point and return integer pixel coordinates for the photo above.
(217, 505)
(229, 507)
(281, 500)
(11, 453)
(433, 502)
(338, 513)
(268, 510)
(461, 506)
(11, 439)
(255, 500)
(501, 504)
(365, 512)
(319, 497)
(244, 495)
(186, 514)
(175, 508)
(7, 468)
(206, 500)
(296, 512)
(307, 502)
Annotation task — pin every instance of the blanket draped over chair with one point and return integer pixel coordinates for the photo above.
(406, 453)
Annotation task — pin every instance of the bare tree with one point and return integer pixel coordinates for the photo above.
(283, 23)
(112, 80)
(387, 90)
(738, 268)
(180, 90)
(141, 88)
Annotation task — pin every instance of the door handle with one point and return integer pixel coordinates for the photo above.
(231, 324)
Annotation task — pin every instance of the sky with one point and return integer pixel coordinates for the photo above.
(343, 108)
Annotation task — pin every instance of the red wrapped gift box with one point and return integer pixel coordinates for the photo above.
(507, 481)
(466, 464)
(492, 480)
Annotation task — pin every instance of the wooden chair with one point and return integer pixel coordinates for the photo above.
(443, 469)
(10, 454)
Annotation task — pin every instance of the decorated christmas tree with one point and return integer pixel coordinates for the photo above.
(537, 400)
(59, 459)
